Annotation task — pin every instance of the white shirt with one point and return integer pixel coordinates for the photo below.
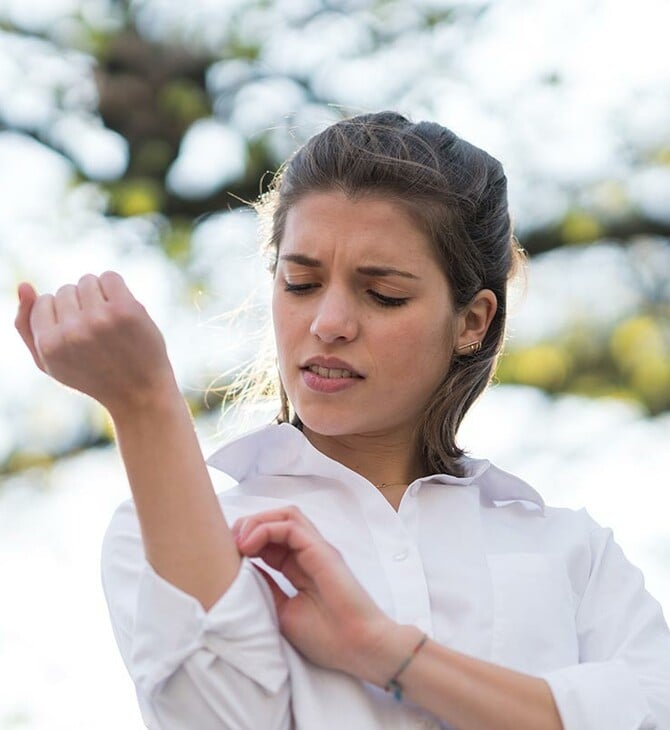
(479, 563)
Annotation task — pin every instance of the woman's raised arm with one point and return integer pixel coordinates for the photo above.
(97, 338)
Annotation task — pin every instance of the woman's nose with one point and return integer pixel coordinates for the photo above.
(335, 318)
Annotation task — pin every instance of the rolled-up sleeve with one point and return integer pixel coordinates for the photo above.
(623, 679)
(194, 668)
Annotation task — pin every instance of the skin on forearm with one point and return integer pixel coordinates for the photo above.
(96, 338)
(186, 538)
(468, 693)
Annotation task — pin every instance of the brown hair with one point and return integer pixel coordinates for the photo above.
(457, 194)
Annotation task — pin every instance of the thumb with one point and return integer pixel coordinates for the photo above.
(27, 298)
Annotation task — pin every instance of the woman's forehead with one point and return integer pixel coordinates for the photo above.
(321, 223)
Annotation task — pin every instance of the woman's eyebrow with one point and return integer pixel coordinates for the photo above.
(298, 258)
(385, 271)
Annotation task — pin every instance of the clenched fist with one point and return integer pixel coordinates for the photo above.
(96, 338)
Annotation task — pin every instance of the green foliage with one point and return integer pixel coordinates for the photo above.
(22, 460)
(545, 366)
(242, 49)
(153, 157)
(640, 347)
(662, 156)
(176, 239)
(184, 101)
(632, 362)
(137, 196)
(580, 226)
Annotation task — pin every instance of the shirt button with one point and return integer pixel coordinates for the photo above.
(401, 555)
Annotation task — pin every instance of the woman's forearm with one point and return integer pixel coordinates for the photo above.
(468, 693)
(186, 538)
(97, 338)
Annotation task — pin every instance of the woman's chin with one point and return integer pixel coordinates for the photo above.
(335, 424)
(345, 425)
(325, 427)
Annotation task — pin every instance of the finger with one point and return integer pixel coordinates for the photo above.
(42, 316)
(282, 559)
(66, 302)
(27, 298)
(43, 324)
(275, 555)
(91, 296)
(238, 526)
(290, 512)
(309, 557)
(244, 525)
(113, 286)
(286, 533)
(26, 293)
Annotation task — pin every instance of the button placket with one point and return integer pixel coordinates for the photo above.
(394, 536)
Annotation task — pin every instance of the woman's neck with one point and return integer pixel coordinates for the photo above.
(380, 458)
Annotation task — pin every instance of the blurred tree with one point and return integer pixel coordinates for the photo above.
(162, 70)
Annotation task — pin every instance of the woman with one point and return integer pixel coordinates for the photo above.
(374, 576)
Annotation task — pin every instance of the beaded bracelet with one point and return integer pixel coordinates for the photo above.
(393, 685)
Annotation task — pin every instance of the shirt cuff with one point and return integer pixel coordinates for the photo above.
(597, 695)
(240, 629)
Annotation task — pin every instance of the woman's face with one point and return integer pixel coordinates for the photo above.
(362, 315)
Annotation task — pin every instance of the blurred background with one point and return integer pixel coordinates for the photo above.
(131, 135)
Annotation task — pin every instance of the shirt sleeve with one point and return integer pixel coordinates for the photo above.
(623, 679)
(194, 668)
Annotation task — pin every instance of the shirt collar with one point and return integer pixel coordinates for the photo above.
(283, 450)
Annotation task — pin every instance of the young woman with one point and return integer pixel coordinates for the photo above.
(364, 572)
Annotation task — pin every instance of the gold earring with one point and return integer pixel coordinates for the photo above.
(473, 347)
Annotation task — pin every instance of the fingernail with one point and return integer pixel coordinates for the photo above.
(238, 529)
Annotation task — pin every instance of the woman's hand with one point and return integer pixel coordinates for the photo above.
(97, 338)
(331, 620)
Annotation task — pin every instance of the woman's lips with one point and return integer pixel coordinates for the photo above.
(333, 381)
(332, 372)
(321, 364)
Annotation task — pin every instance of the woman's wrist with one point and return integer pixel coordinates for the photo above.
(164, 396)
(390, 645)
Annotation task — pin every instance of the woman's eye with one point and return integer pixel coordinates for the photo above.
(388, 301)
(380, 299)
(299, 288)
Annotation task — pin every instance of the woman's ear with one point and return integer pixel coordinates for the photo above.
(474, 321)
